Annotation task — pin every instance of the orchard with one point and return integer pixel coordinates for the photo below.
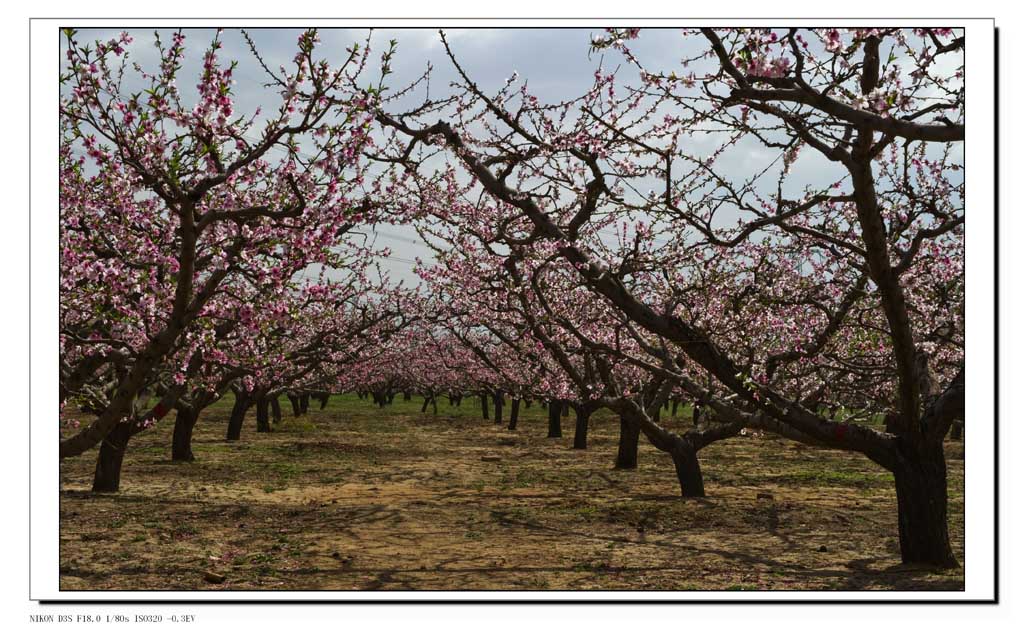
(335, 316)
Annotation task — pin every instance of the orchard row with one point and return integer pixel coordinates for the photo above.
(770, 229)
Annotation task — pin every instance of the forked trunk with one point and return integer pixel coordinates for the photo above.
(513, 416)
(691, 480)
(181, 441)
(554, 419)
(629, 440)
(922, 501)
(107, 478)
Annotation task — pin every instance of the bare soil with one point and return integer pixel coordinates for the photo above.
(359, 498)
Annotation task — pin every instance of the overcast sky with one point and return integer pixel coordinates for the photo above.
(556, 62)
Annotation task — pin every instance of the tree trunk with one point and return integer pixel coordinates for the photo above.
(262, 414)
(691, 480)
(579, 439)
(426, 402)
(242, 403)
(407, 396)
(275, 409)
(698, 407)
(956, 432)
(499, 405)
(513, 416)
(565, 408)
(921, 499)
(324, 397)
(181, 441)
(629, 440)
(304, 404)
(554, 419)
(107, 478)
(296, 405)
(892, 423)
(483, 405)
(675, 406)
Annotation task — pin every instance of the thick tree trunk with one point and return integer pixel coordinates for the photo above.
(304, 404)
(691, 480)
(579, 439)
(262, 414)
(242, 403)
(499, 405)
(922, 502)
(555, 419)
(483, 405)
(296, 405)
(107, 478)
(426, 402)
(181, 440)
(324, 397)
(956, 431)
(892, 423)
(629, 441)
(513, 416)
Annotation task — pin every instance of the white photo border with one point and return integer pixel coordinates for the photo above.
(981, 548)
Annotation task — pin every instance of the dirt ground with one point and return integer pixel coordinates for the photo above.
(359, 498)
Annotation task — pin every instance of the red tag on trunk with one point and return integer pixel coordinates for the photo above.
(840, 432)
